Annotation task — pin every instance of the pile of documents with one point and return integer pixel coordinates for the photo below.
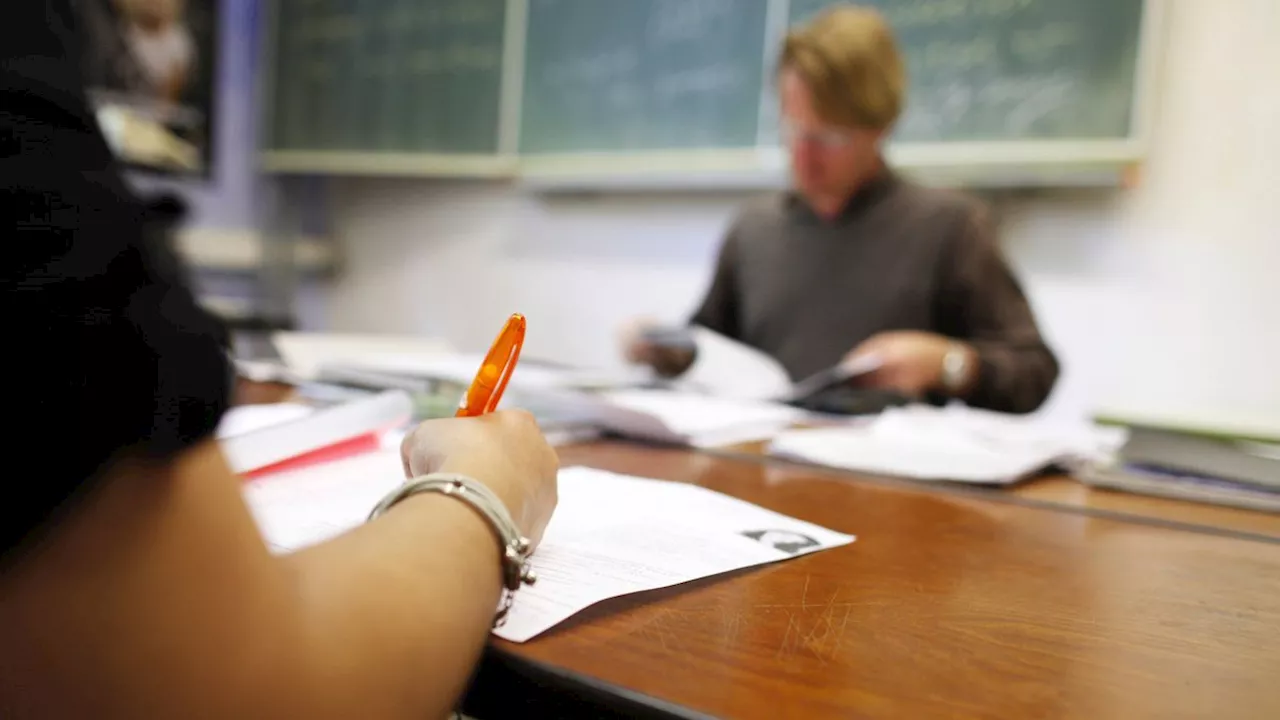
(571, 403)
(954, 443)
(733, 393)
(680, 418)
(1193, 466)
(611, 534)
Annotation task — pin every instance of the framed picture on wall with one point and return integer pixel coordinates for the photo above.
(151, 66)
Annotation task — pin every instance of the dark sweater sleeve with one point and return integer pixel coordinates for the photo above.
(109, 354)
(719, 309)
(981, 302)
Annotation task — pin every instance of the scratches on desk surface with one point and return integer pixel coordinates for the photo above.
(731, 626)
(814, 624)
(664, 627)
(819, 635)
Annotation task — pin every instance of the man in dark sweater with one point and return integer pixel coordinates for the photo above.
(856, 260)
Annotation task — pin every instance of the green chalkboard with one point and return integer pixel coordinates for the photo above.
(629, 75)
(387, 75)
(399, 79)
(1008, 70)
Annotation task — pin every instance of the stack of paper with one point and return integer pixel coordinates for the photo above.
(306, 354)
(1181, 486)
(611, 535)
(303, 507)
(461, 368)
(953, 443)
(681, 418)
(1177, 464)
(244, 419)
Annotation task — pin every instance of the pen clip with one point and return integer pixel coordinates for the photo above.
(508, 369)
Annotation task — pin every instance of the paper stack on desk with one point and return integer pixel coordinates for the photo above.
(611, 535)
(681, 418)
(306, 354)
(1189, 466)
(244, 419)
(614, 402)
(460, 369)
(953, 443)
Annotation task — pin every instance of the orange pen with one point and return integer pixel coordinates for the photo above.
(486, 390)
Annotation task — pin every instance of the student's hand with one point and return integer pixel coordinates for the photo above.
(505, 451)
(666, 361)
(912, 361)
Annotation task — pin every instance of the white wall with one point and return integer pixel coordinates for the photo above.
(1164, 299)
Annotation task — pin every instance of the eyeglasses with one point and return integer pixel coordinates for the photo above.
(826, 139)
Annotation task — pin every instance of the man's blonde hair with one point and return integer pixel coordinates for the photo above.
(849, 60)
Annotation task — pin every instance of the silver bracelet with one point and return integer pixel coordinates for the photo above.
(516, 549)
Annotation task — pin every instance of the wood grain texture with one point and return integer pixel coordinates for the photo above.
(1070, 494)
(946, 606)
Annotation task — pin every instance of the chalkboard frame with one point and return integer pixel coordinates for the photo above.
(763, 165)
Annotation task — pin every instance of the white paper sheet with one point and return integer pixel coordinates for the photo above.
(686, 418)
(842, 373)
(615, 534)
(953, 443)
(249, 418)
(727, 368)
(611, 535)
(306, 353)
(461, 368)
(313, 504)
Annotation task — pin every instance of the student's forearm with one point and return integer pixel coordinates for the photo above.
(399, 610)
(158, 598)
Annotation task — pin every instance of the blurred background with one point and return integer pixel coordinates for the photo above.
(427, 167)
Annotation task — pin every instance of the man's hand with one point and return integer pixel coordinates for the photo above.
(912, 362)
(666, 360)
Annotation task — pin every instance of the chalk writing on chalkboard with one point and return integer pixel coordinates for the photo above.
(642, 74)
(388, 75)
(994, 70)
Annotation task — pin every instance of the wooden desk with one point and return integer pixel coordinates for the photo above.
(1068, 494)
(947, 605)
(956, 604)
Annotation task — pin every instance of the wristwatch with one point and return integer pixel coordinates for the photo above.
(955, 369)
